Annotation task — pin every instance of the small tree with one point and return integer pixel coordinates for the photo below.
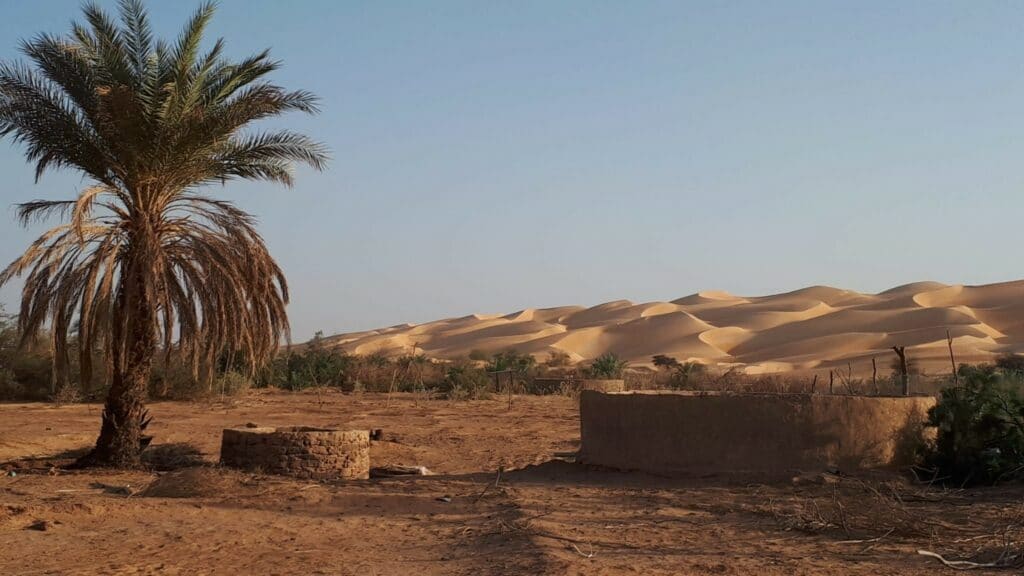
(662, 361)
(557, 359)
(519, 367)
(607, 366)
(465, 382)
(980, 427)
(1011, 363)
(903, 367)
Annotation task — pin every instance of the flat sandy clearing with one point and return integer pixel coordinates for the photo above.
(545, 516)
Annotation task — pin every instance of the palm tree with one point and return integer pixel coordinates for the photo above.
(144, 263)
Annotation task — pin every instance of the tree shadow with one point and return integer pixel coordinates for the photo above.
(158, 457)
(172, 456)
(44, 464)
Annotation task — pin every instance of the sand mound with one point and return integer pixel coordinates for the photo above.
(814, 326)
(199, 482)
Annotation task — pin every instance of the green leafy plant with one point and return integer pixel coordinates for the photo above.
(607, 366)
(980, 427)
(1011, 363)
(663, 361)
(465, 382)
(517, 368)
(676, 374)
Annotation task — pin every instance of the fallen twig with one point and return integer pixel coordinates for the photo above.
(869, 540)
(962, 564)
(488, 485)
(580, 552)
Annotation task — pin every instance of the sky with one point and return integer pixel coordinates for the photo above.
(492, 156)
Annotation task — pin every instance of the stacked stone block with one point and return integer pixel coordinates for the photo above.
(313, 453)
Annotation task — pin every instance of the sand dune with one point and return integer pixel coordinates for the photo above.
(807, 329)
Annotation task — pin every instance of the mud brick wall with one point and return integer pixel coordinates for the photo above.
(312, 453)
(760, 435)
(603, 385)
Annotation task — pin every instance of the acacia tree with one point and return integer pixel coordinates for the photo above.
(143, 263)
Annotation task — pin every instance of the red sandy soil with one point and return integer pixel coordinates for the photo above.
(546, 515)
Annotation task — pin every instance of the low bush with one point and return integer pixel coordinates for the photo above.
(466, 382)
(69, 393)
(979, 427)
(232, 383)
(607, 367)
(175, 380)
(10, 388)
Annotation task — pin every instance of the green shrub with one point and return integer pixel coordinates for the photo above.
(175, 381)
(607, 367)
(1011, 363)
(33, 371)
(10, 388)
(465, 382)
(663, 361)
(980, 427)
(686, 375)
(315, 365)
(511, 361)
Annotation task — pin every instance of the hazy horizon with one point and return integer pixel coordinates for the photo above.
(493, 157)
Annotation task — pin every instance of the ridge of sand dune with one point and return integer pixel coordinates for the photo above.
(708, 296)
(817, 326)
(913, 288)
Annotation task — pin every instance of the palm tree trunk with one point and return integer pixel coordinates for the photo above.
(119, 443)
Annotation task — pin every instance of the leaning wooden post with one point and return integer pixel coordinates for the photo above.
(831, 381)
(904, 376)
(814, 383)
(874, 376)
(952, 360)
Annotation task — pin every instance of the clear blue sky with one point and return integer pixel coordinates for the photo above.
(493, 156)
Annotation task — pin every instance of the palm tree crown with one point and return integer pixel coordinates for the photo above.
(143, 260)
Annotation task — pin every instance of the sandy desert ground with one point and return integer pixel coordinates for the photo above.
(816, 327)
(546, 515)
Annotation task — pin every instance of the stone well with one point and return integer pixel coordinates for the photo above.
(303, 452)
(679, 433)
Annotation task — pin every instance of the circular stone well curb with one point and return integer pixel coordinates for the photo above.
(300, 451)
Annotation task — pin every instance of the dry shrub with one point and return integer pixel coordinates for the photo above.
(199, 482)
(175, 381)
(949, 522)
(856, 509)
(67, 394)
(232, 384)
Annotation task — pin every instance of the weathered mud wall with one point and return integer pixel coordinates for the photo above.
(302, 452)
(603, 385)
(756, 434)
